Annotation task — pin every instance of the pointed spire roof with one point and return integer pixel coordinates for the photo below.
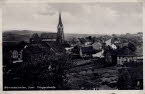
(60, 21)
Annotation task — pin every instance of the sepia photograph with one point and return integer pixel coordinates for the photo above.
(72, 46)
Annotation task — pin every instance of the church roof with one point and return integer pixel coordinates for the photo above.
(35, 35)
(57, 48)
(33, 49)
(48, 35)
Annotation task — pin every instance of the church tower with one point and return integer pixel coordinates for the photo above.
(60, 33)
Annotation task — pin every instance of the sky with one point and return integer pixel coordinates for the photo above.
(82, 18)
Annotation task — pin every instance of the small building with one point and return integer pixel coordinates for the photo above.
(82, 40)
(86, 51)
(16, 55)
(139, 54)
(97, 46)
(126, 55)
(36, 53)
(43, 51)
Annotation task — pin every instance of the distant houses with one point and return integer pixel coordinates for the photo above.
(42, 46)
(113, 51)
(125, 55)
(85, 48)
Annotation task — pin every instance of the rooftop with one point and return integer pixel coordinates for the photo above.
(48, 35)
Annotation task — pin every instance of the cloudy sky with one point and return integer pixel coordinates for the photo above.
(88, 18)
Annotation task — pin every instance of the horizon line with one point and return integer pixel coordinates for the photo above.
(70, 33)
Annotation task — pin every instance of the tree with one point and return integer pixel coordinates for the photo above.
(131, 46)
(49, 73)
(124, 80)
(60, 68)
(22, 44)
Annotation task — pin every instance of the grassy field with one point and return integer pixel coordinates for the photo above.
(93, 76)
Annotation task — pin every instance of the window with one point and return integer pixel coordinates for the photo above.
(15, 54)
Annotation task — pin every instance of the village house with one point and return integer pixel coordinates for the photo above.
(86, 51)
(37, 53)
(97, 46)
(14, 52)
(125, 55)
(16, 55)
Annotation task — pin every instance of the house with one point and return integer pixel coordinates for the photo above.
(86, 51)
(82, 40)
(97, 46)
(125, 55)
(13, 52)
(86, 40)
(109, 43)
(139, 54)
(56, 47)
(37, 53)
(140, 34)
(82, 51)
(17, 55)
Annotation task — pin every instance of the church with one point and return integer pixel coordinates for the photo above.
(45, 45)
(50, 37)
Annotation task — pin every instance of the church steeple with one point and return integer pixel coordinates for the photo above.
(60, 22)
(60, 33)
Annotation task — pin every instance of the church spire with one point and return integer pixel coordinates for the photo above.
(60, 33)
(60, 21)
